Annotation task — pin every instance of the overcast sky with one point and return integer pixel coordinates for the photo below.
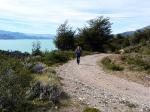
(44, 16)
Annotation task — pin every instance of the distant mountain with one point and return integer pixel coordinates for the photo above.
(129, 33)
(18, 35)
(147, 27)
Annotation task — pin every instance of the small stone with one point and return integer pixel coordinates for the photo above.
(115, 107)
(81, 99)
(56, 107)
(95, 97)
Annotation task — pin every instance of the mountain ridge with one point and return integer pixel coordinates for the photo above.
(18, 35)
(129, 33)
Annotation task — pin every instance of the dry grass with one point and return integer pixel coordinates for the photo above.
(43, 78)
(48, 77)
(128, 74)
(111, 65)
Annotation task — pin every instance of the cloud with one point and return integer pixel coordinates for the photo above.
(44, 16)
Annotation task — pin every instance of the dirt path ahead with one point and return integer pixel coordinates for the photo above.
(88, 83)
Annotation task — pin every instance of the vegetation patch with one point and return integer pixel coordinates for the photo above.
(135, 67)
(55, 57)
(111, 65)
(142, 48)
(22, 90)
(137, 61)
(88, 109)
(47, 88)
(15, 79)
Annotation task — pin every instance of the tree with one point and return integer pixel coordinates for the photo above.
(36, 46)
(65, 37)
(95, 36)
(118, 42)
(140, 36)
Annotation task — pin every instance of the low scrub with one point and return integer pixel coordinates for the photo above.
(56, 57)
(109, 64)
(25, 80)
(15, 80)
(139, 61)
(142, 48)
(20, 87)
(47, 88)
(14, 54)
(88, 109)
(53, 57)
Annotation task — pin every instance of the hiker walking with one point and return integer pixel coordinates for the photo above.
(78, 54)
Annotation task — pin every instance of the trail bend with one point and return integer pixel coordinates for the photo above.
(88, 83)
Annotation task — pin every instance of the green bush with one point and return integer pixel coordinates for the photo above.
(57, 57)
(15, 80)
(109, 64)
(88, 109)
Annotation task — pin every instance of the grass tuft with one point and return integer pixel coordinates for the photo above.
(88, 109)
(138, 61)
(109, 64)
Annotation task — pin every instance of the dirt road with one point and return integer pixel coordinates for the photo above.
(88, 83)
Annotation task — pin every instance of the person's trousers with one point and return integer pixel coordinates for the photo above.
(78, 59)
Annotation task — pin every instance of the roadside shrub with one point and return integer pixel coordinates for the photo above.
(57, 57)
(88, 109)
(146, 50)
(142, 48)
(47, 92)
(15, 80)
(109, 64)
(140, 61)
(47, 88)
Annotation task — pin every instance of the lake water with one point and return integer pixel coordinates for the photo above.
(25, 45)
